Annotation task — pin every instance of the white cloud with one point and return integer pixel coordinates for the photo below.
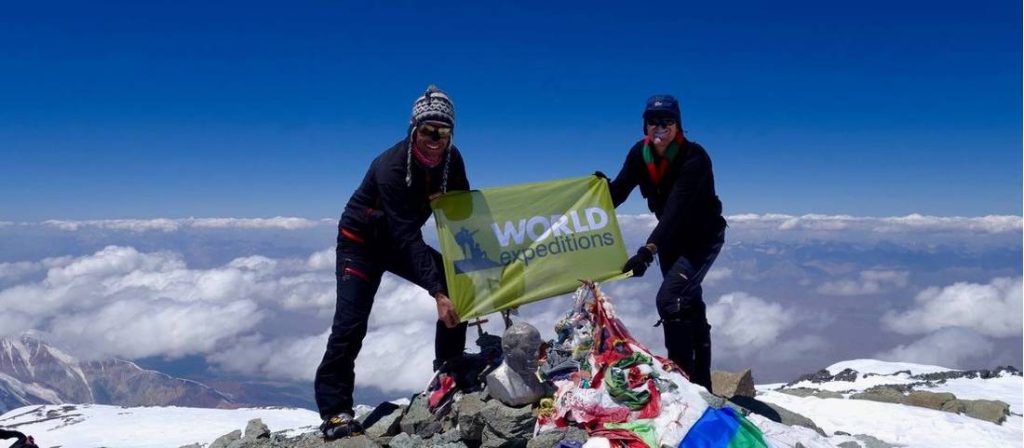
(172, 225)
(125, 303)
(949, 347)
(742, 324)
(716, 274)
(909, 223)
(994, 309)
(869, 282)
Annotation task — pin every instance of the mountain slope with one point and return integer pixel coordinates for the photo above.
(33, 372)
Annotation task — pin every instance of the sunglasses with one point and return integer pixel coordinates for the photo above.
(434, 132)
(661, 122)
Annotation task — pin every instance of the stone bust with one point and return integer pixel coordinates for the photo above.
(515, 382)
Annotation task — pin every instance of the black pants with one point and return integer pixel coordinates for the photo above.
(683, 314)
(359, 271)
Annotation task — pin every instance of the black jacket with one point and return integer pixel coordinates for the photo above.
(4, 434)
(688, 210)
(387, 213)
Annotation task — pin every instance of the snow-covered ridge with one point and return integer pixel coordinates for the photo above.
(144, 427)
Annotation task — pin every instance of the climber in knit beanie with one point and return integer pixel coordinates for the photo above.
(380, 232)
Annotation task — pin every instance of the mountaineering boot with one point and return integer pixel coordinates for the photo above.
(340, 426)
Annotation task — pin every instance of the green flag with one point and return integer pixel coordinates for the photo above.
(507, 246)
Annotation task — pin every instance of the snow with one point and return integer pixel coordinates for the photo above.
(145, 427)
(898, 424)
(883, 367)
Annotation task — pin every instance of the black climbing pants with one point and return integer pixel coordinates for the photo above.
(359, 271)
(680, 302)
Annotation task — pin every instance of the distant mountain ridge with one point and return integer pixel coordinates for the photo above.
(34, 372)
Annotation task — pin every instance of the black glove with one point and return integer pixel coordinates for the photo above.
(638, 263)
(602, 176)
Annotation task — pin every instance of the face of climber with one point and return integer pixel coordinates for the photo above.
(433, 138)
(661, 129)
(521, 344)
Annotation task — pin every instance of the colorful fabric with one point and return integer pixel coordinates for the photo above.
(723, 428)
(620, 438)
(642, 428)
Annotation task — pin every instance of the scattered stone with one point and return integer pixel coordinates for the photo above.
(226, 439)
(955, 406)
(846, 375)
(713, 400)
(930, 400)
(872, 442)
(449, 439)
(551, 438)
(841, 433)
(469, 421)
(355, 442)
(404, 440)
(256, 429)
(728, 384)
(988, 410)
(808, 392)
(383, 421)
(506, 427)
(775, 413)
(884, 394)
(821, 376)
(416, 416)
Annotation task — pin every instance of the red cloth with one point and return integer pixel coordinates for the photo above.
(620, 437)
(447, 384)
(653, 407)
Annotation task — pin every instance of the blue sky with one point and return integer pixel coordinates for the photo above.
(161, 109)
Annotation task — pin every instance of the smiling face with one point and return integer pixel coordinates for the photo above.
(432, 138)
(662, 130)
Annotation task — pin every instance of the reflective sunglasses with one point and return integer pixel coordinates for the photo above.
(661, 122)
(434, 132)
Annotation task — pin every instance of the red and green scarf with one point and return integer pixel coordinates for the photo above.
(657, 169)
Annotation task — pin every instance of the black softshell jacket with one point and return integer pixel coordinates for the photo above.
(387, 213)
(688, 210)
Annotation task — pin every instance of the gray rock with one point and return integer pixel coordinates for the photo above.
(505, 426)
(448, 439)
(776, 413)
(194, 445)
(884, 394)
(404, 440)
(470, 422)
(713, 400)
(988, 410)
(849, 444)
(416, 416)
(383, 421)
(226, 439)
(872, 442)
(551, 438)
(256, 429)
(728, 384)
(955, 406)
(930, 400)
(808, 392)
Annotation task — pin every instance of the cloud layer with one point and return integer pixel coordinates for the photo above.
(994, 309)
(256, 296)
